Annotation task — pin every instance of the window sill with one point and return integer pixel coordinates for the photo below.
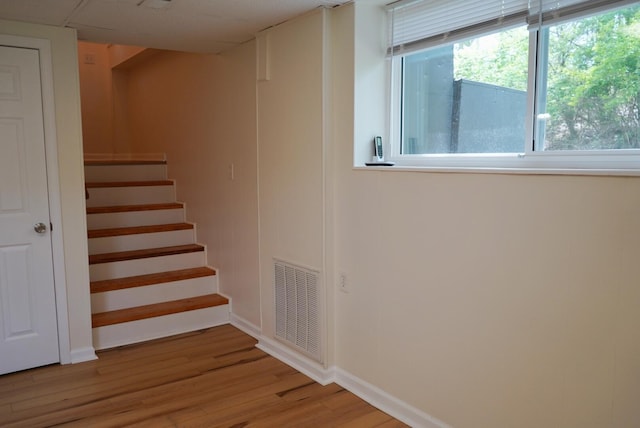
(503, 170)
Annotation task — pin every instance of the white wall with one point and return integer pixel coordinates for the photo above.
(291, 151)
(488, 300)
(103, 91)
(200, 111)
(119, 55)
(485, 300)
(71, 175)
(121, 59)
(369, 79)
(96, 95)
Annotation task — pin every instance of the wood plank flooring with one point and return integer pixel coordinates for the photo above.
(210, 378)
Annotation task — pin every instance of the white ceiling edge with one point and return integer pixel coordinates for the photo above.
(200, 26)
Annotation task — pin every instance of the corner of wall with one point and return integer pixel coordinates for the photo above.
(245, 326)
(315, 371)
(371, 80)
(80, 355)
(386, 402)
(368, 392)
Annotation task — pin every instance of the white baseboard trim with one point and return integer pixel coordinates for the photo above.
(386, 402)
(245, 326)
(299, 362)
(368, 392)
(81, 355)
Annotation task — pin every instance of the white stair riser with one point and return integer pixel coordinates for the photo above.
(107, 173)
(150, 294)
(156, 327)
(134, 218)
(153, 328)
(140, 241)
(137, 195)
(101, 271)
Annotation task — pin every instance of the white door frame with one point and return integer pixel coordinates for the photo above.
(53, 185)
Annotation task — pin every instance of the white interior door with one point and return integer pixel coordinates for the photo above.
(28, 321)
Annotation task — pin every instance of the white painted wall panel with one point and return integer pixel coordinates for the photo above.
(485, 300)
(290, 148)
(217, 130)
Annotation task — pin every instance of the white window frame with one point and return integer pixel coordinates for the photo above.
(620, 161)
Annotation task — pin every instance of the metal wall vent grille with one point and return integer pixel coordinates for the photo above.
(297, 311)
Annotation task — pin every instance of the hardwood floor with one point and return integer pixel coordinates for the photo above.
(210, 378)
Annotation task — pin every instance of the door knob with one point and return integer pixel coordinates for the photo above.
(40, 227)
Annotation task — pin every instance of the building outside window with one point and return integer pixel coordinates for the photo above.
(516, 83)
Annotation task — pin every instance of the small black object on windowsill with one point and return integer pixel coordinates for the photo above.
(378, 157)
(384, 163)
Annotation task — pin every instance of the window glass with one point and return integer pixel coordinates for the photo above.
(467, 97)
(589, 83)
(550, 84)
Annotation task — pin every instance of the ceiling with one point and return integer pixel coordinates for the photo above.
(183, 25)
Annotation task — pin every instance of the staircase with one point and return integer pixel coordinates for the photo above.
(149, 277)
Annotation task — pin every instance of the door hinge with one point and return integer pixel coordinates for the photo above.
(50, 227)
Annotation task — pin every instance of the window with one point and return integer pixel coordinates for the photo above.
(516, 83)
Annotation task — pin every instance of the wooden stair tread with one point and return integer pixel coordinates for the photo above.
(135, 230)
(150, 279)
(141, 254)
(130, 208)
(102, 184)
(157, 309)
(105, 162)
